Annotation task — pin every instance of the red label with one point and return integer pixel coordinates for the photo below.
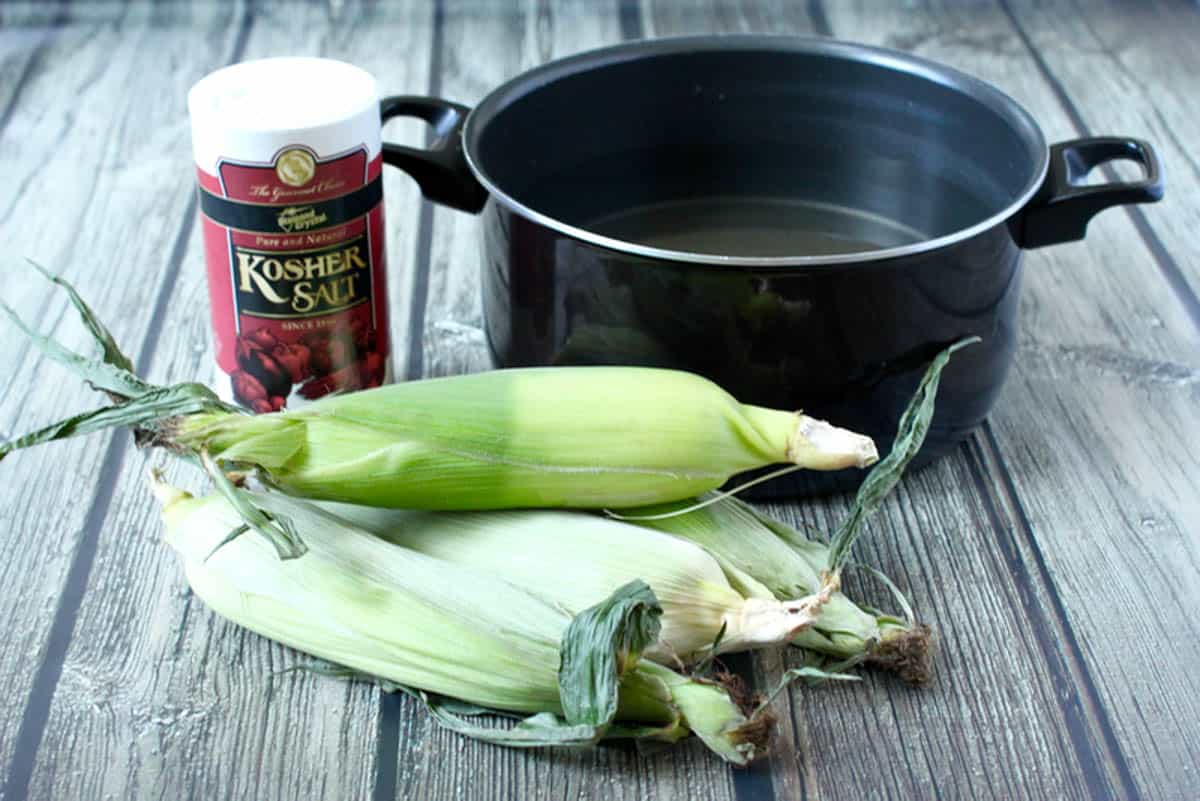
(296, 276)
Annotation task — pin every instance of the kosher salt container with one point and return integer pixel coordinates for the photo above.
(288, 166)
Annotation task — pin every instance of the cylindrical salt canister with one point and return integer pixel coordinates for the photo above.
(291, 202)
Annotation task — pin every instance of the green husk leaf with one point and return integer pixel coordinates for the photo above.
(910, 619)
(233, 534)
(600, 645)
(457, 706)
(542, 730)
(147, 403)
(809, 673)
(102, 375)
(154, 405)
(112, 353)
(277, 530)
(709, 499)
(910, 435)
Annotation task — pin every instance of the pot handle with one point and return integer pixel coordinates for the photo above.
(1061, 209)
(441, 171)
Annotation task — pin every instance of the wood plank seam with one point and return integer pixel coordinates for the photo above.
(908, 765)
(420, 290)
(816, 15)
(629, 14)
(1067, 670)
(387, 746)
(49, 672)
(1167, 265)
(387, 752)
(1098, 711)
(755, 782)
(37, 708)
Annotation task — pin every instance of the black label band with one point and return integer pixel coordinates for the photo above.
(291, 218)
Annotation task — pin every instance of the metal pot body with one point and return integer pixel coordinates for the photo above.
(847, 344)
(805, 222)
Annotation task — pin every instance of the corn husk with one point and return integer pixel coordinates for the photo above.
(444, 630)
(541, 437)
(593, 437)
(576, 560)
(762, 557)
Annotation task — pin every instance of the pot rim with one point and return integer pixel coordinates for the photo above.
(1022, 123)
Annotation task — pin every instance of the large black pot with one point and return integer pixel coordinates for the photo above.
(804, 221)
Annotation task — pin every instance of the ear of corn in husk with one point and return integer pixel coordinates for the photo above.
(762, 556)
(444, 629)
(728, 577)
(577, 559)
(539, 437)
(591, 437)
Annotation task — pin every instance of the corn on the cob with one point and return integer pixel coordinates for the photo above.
(576, 560)
(563, 437)
(359, 601)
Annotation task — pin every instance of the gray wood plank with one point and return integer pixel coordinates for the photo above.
(1130, 69)
(82, 160)
(1083, 455)
(32, 13)
(700, 17)
(501, 45)
(992, 725)
(160, 694)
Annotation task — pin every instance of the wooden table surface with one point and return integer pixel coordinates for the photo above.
(1057, 552)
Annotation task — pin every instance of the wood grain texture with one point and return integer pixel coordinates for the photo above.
(1083, 449)
(83, 162)
(433, 763)
(163, 697)
(700, 17)
(1056, 552)
(992, 725)
(1130, 69)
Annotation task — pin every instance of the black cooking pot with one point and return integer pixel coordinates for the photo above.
(806, 222)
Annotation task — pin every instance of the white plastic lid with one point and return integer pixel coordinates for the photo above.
(249, 111)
